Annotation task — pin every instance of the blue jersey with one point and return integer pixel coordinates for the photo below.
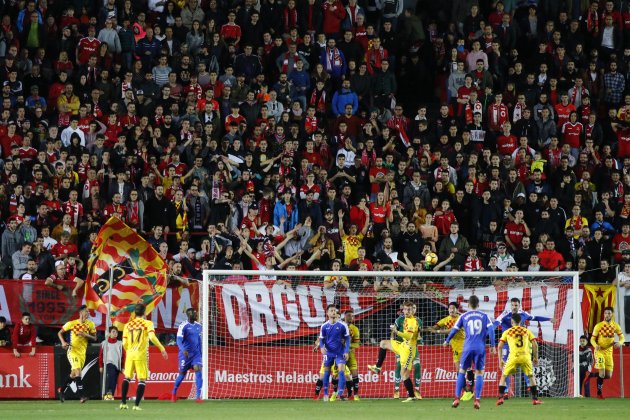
(189, 338)
(335, 337)
(477, 326)
(505, 319)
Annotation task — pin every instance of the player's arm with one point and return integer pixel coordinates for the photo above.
(180, 338)
(535, 351)
(499, 347)
(499, 319)
(157, 343)
(622, 339)
(125, 340)
(322, 340)
(346, 350)
(316, 345)
(91, 335)
(594, 338)
(530, 317)
(454, 330)
(491, 334)
(61, 335)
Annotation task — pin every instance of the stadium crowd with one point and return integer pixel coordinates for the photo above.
(291, 134)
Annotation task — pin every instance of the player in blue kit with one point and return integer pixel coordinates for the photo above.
(189, 343)
(477, 327)
(505, 321)
(334, 343)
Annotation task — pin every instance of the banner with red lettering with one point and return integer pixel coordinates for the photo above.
(27, 377)
(51, 307)
(252, 312)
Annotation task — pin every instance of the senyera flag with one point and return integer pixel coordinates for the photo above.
(139, 273)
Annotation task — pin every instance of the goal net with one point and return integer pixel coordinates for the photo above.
(262, 327)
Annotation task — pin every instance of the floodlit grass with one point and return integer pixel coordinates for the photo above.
(304, 409)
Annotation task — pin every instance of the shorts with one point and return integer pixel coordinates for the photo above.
(524, 362)
(352, 364)
(334, 371)
(406, 352)
(76, 359)
(457, 351)
(604, 359)
(139, 367)
(473, 357)
(330, 359)
(184, 363)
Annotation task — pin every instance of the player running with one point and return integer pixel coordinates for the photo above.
(504, 320)
(406, 349)
(81, 330)
(477, 326)
(417, 370)
(457, 344)
(603, 341)
(355, 343)
(189, 343)
(136, 336)
(519, 339)
(334, 344)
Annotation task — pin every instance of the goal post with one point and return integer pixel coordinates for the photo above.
(261, 326)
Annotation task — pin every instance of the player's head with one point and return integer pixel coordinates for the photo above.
(473, 302)
(349, 316)
(191, 314)
(139, 309)
(113, 332)
(515, 305)
(453, 307)
(331, 312)
(583, 341)
(408, 309)
(608, 313)
(84, 313)
(516, 320)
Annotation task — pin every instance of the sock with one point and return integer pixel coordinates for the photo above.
(178, 382)
(381, 357)
(198, 383)
(507, 382)
(125, 389)
(526, 380)
(318, 386)
(335, 383)
(342, 383)
(349, 386)
(409, 387)
(139, 392)
(417, 375)
(397, 376)
(355, 385)
(79, 381)
(461, 381)
(534, 392)
(600, 384)
(470, 380)
(326, 381)
(501, 391)
(478, 386)
(67, 384)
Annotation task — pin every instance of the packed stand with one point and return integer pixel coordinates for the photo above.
(317, 135)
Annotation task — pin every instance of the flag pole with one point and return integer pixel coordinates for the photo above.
(619, 315)
(108, 323)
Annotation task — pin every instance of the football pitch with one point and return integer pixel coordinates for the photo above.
(305, 409)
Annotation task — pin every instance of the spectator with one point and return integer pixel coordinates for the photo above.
(24, 336)
(111, 360)
(20, 260)
(5, 334)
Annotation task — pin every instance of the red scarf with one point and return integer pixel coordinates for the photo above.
(592, 22)
(318, 100)
(574, 94)
(333, 58)
(290, 18)
(285, 62)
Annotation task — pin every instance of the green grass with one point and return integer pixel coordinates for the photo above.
(302, 409)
